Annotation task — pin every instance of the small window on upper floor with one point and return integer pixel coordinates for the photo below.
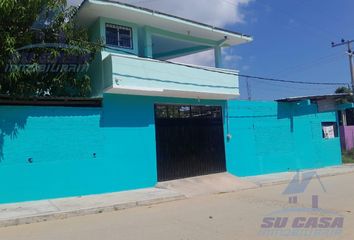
(119, 36)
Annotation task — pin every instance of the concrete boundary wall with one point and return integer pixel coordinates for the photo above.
(55, 151)
(270, 137)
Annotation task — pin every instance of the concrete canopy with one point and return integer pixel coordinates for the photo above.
(90, 10)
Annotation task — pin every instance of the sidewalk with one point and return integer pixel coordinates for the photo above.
(44, 210)
(208, 185)
(285, 177)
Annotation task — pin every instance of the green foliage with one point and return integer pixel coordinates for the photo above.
(348, 156)
(346, 99)
(17, 29)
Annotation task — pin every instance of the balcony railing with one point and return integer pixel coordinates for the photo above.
(124, 74)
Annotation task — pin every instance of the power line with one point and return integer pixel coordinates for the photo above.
(293, 86)
(249, 96)
(221, 70)
(249, 76)
(308, 24)
(277, 89)
(258, 77)
(237, 74)
(350, 55)
(311, 64)
(291, 81)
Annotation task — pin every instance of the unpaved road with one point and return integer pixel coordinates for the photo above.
(236, 215)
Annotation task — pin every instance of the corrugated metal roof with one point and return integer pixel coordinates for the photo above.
(314, 97)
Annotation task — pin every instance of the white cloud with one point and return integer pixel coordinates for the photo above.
(205, 58)
(215, 12)
(230, 56)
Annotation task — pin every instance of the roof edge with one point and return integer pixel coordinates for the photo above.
(314, 97)
(241, 35)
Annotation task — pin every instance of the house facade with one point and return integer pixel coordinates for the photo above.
(154, 120)
(186, 102)
(138, 44)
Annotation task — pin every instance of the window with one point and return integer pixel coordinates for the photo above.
(119, 36)
(329, 130)
(187, 111)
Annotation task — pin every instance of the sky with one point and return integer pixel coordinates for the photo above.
(292, 41)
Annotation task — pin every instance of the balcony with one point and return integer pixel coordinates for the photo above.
(125, 74)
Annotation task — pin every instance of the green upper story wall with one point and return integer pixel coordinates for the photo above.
(146, 38)
(142, 33)
(181, 78)
(154, 34)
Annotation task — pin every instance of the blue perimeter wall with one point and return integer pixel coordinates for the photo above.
(270, 137)
(80, 151)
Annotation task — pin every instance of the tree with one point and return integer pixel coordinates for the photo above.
(346, 99)
(36, 36)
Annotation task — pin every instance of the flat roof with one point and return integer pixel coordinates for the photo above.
(90, 10)
(334, 96)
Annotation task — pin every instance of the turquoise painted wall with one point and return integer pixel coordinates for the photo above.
(62, 142)
(81, 151)
(270, 137)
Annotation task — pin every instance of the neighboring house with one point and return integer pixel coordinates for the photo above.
(346, 126)
(154, 120)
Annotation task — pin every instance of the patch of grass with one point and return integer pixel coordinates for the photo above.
(348, 156)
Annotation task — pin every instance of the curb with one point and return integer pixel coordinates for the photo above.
(88, 211)
(286, 181)
(62, 214)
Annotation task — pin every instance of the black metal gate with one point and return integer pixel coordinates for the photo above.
(190, 141)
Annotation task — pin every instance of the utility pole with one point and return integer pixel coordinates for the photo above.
(249, 97)
(350, 55)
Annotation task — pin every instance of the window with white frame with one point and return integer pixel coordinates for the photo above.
(119, 36)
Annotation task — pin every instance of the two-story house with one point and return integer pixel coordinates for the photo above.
(187, 100)
(155, 120)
